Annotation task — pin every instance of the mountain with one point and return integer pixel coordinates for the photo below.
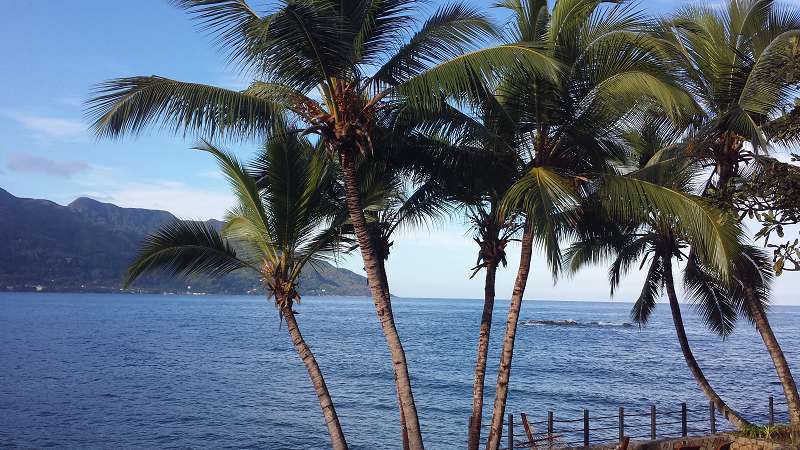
(86, 246)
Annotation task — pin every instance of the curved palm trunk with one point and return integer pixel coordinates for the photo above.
(403, 430)
(383, 306)
(761, 323)
(759, 317)
(483, 351)
(733, 417)
(504, 370)
(331, 419)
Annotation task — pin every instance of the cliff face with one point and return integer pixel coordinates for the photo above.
(86, 246)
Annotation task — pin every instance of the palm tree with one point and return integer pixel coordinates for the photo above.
(564, 132)
(337, 66)
(274, 230)
(659, 239)
(389, 207)
(733, 61)
(474, 158)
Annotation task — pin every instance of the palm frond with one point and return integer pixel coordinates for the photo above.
(447, 34)
(627, 255)
(457, 75)
(717, 304)
(549, 202)
(249, 220)
(128, 105)
(753, 278)
(715, 235)
(185, 248)
(427, 203)
(651, 291)
(288, 98)
(237, 28)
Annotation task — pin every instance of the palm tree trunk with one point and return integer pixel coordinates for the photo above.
(761, 323)
(733, 417)
(328, 411)
(403, 430)
(483, 351)
(383, 306)
(759, 317)
(504, 370)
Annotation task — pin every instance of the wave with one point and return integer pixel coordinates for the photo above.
(575, 323)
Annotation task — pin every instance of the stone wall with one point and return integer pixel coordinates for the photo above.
(742, 443)
(707, 442)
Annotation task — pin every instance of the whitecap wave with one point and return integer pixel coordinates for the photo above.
(575, 323)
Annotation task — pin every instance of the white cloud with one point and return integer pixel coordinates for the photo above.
(50, 127)
(26, 162)
(183, 201)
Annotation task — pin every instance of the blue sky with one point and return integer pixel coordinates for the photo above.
(53, 52)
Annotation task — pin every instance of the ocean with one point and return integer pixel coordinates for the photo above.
(86, 371)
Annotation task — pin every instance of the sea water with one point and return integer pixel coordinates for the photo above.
(160, 371)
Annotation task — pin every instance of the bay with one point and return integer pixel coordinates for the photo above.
(153, 371)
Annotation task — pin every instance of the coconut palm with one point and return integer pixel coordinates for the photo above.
(474, 158)
(337, 66)
(739, 62)
(564, 132)
(274, 230)
(656, 241)
(393, 201)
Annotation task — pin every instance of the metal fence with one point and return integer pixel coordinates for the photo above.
(554, 432)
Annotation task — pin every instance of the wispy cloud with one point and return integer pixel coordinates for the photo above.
(50, 127)
(26, 162)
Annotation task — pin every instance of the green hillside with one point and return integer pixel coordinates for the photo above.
(86, 246)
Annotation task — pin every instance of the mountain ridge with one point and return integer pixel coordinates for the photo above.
(85, 246)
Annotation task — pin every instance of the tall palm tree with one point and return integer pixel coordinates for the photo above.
(472, 155)
(734, 61)
(389, 206)
(274, 230)
(567, 131)
(659, 239)
(337, 66)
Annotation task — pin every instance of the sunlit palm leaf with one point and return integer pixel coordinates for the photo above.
(456, 76)
(550, 203)
(249, 220)
(714, 235)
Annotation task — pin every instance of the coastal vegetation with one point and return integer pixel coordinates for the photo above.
(579, 124)
(274, 230)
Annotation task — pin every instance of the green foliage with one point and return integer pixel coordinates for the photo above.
(128, 105)
(185, 248)
(282, 221)
(769, 195)
(777, 432)
(649, 216)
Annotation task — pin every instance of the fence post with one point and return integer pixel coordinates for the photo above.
(771, 411)
(550, 428)
(653, 422)
(528, 431)
(621, 423)
(712, 417)
(585, 427)
(510, 431)
(684, 418)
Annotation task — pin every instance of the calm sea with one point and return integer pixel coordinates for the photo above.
(148, 371)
